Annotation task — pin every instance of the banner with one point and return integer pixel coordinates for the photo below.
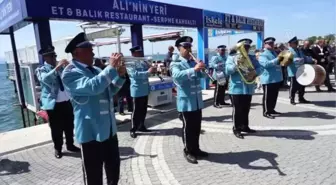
(213, 19)
(122, 11)
(10, 13)
(243, 23)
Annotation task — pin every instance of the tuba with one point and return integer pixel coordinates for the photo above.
(287, 56)
(245, 66)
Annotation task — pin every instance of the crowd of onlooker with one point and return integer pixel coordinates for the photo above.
(307, 48)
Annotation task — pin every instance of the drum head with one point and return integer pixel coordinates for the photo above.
(320, 75)
(305, 74)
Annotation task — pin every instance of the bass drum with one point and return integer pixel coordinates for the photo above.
(307, 75)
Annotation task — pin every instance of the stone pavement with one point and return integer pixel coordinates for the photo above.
(298, 148)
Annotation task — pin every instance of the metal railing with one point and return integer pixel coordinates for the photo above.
(10, 71)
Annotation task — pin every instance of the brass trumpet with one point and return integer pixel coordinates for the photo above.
(205, 70)
(130, 62)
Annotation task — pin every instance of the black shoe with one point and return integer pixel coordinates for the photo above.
(122, 113)
(331, 90)
(237, 133)
(275, 113)
(73, 148)
(202, 154)
(58, 154)
(130, 110)
(249, 131)
(218, 106)
(225, 104)
(133, 134)
(269, 116)
(304, 101)
(190, 158)
(144, 129)
(292, 102)
(318, 90)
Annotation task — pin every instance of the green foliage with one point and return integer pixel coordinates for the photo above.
(330, 37)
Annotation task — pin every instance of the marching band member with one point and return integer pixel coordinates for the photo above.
(56, 101)
(186, 75)
(299, 59)
(218, 64)
(95, 124)
(241, 92)
(139, 91)
(271, 78)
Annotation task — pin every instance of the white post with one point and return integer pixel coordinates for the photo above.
(118, 40)
(98, 51)
(229, 41)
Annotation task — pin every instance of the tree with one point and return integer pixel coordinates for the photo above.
(312, 39)
(330, 37)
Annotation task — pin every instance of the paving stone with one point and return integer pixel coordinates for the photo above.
(273, 157)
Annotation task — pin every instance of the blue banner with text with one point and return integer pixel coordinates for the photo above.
(237, 22)
(123, 11)
(10, 13)
(162, 86)
(213, 19)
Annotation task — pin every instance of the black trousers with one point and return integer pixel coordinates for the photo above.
(96, 154)
(61, 120)
(284, 76)
(296, 87)
(129, 101)
(327, 79)
(270, 96)
(191, 130)
(219, 96)
(240, 112)
(139, 112)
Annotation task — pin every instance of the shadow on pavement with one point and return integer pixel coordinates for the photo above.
(222, 118)
(72, 154)
(308, 114)
(286, 134)
(129, 153)
(244, 160)
(9, 167)
(327, 103)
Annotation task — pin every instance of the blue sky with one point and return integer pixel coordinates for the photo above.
(283, 20)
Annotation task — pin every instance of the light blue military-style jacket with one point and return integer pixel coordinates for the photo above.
(272, 69)
(47, 75)
(217, 62)
(139, 79)
(292, 68)
(92, 100)
(188, 83)
(236, 84)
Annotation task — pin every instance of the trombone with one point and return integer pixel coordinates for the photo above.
(205, 70)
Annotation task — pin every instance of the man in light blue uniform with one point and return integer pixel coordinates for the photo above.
(56, 101)
(218, 64)
(299, 60)
(139, 91)
(271, 79)
(241, 93)
(186, 75)
(92, 99)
